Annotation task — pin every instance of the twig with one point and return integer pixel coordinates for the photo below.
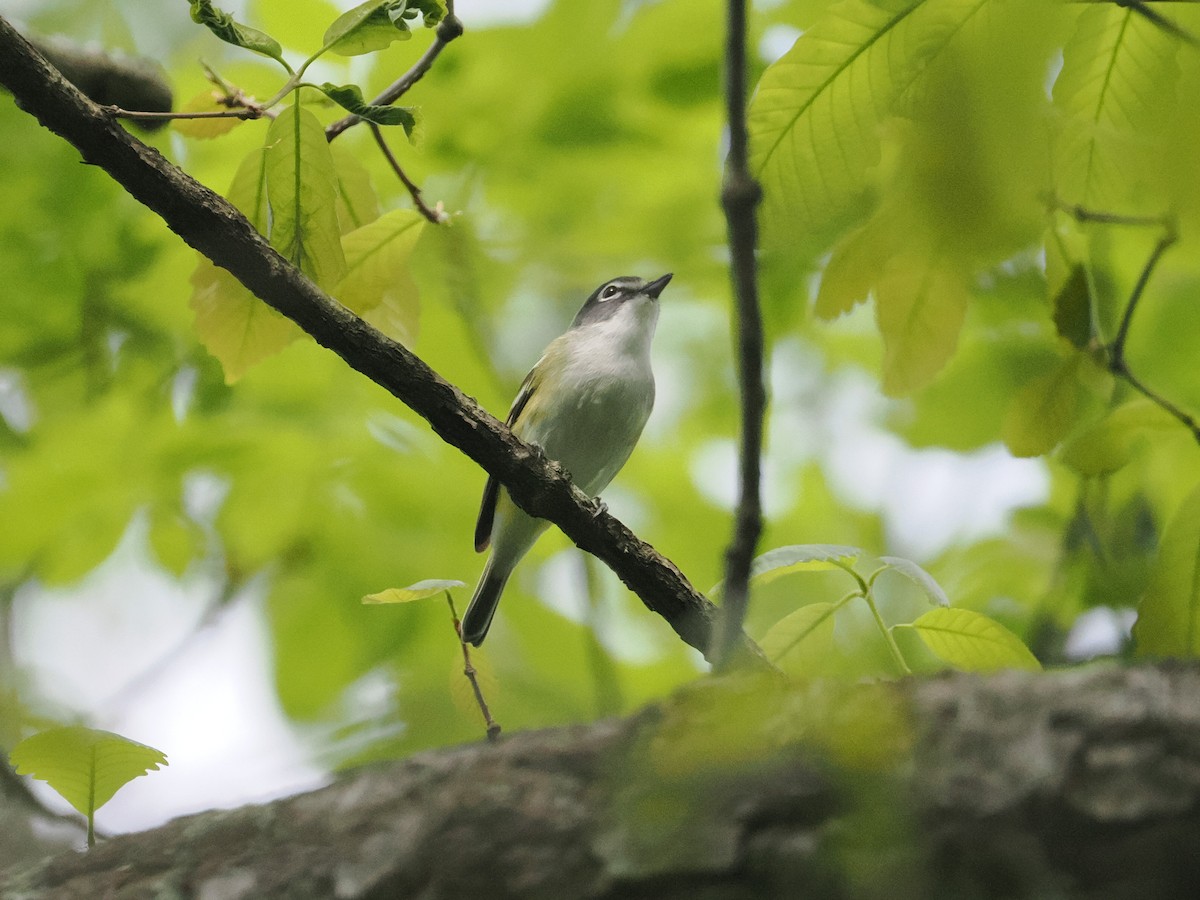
(740, 195)
(448, 29)
(1115, 349)
(493, 727)
(246, 112)
(436, 216)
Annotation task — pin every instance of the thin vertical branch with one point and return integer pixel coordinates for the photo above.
(740, 196)
(471, 673)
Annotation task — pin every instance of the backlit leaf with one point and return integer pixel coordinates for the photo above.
(377, 267)
(1112, 442)
(1044, 410)
(302, 192)
(84, 765)
(851, 271)
(357, 204)
(918, 576)
(920, 308)
(799, 642)
(234, 325)
(1115, 86)
(972, 642)
(815, 115)
(430, 587)
(204, 129)
(1168, 622)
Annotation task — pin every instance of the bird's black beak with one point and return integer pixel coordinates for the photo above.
(655, 287)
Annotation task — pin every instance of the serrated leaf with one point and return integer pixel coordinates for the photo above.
(377, 270)
(1168, 622)
(918, 576)
(1043, 411)
(851, 271)
(205, 129)
(350, 98)
(920, 308)
(814, 119)
(1112, 93)
(1112, 442)
(800, 641)
(222, 24)
(302, 192)
(234, 325)
(357, 204)
(419, 591)
(1073, 309)
(85, 765)
(366, 28)
(972, 642)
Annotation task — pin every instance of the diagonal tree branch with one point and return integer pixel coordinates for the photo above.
(212, 226)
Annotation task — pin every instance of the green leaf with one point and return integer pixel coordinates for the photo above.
(920, 308)
(85, 765)
(234, 325)
(814, 119)
(368, 27)
(1113, 97)
(175, 539)
(204, 129)
(799, 642)
(377, 274)
(357, 204)
(1113, 441)
(922, 579)
(223, 26)
(796, 558)
(349, 97)
(851, 271)
(421, 590)
(972, 642)
(1073, 309)
(302, 191)
(1044, 410)
(1168, 622)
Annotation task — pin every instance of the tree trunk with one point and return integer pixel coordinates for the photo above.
(1079, 784)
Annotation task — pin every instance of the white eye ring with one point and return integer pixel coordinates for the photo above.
(610, 291)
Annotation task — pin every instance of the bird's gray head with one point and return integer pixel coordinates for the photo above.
(607, 299)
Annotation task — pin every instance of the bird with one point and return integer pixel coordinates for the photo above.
(584, 403)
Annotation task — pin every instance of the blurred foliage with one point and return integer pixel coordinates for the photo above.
(909, 151)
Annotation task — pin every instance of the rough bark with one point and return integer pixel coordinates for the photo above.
(1080, 784)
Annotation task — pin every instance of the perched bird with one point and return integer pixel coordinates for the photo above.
(584, 403)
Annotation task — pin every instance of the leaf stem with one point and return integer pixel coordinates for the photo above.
(493, 727)
(246, 112)
(893, 647)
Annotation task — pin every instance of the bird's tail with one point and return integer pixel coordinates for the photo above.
(478, 617)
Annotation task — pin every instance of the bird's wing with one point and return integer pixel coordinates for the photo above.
(491, 490)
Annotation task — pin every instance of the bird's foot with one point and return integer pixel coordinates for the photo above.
(599, 507)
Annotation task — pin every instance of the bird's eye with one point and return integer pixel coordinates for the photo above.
(610, 291)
